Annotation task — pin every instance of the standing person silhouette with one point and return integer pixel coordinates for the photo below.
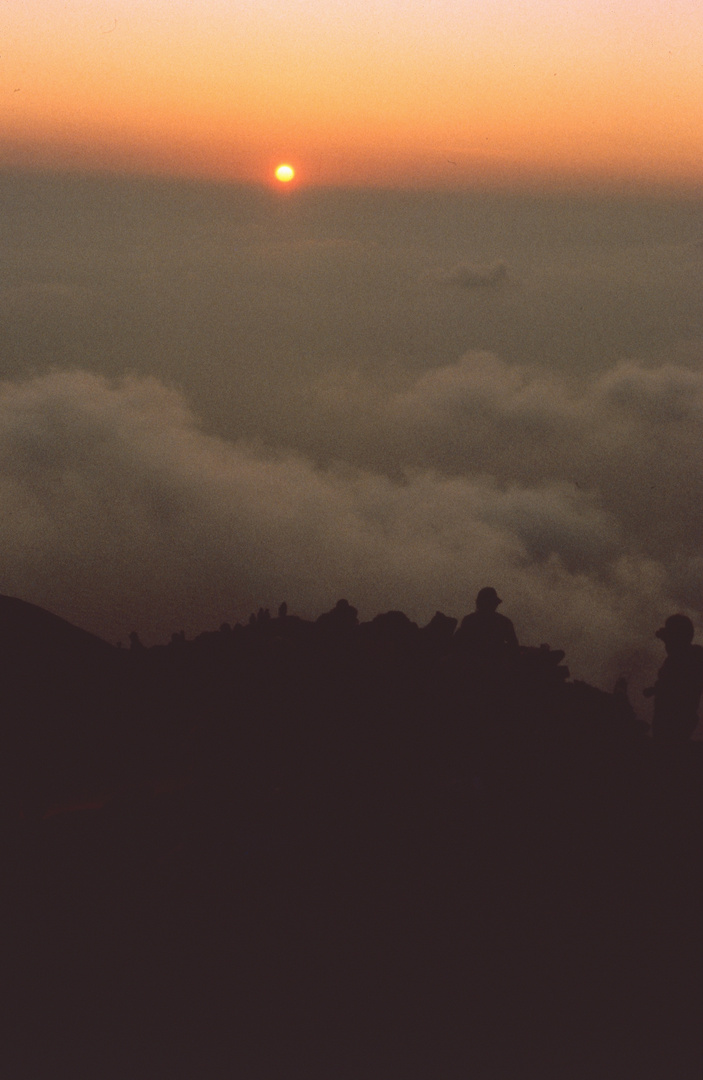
(677, 690)
(487, 635)
(487, 651)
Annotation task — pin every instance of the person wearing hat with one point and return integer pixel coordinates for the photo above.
(677, 690)
(486, 634)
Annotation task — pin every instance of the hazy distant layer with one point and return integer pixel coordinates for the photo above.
(214, 399)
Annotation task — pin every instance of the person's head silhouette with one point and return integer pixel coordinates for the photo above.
(676, 633)
(487, 599)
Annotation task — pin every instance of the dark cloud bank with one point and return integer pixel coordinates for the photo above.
(213, 401)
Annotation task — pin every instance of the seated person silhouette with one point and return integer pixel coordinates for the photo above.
(487, 637)
(679, 684)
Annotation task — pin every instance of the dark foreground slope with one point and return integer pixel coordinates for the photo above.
(325, 850)
(59, 692)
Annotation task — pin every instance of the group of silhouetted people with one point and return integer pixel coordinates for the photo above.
(489, 642)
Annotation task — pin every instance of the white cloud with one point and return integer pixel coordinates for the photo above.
(121, 513)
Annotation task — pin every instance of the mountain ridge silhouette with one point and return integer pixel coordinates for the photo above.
(299, 849)
(25, 623)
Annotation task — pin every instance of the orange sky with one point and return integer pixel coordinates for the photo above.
(413, 93)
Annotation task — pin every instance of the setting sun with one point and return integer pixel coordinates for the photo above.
(284, 173)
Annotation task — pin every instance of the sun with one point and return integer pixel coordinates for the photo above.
(285, 173)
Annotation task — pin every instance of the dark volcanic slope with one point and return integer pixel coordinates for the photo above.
(378, 863)
(59, 690)
(26, 628)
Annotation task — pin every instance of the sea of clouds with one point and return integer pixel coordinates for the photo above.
(214, 400)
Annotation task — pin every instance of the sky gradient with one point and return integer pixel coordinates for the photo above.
(463, 347)
(412, 94)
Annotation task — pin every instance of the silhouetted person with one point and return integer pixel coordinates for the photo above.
(439, 633)
(679, 683)
(486, 656)
(485, 634)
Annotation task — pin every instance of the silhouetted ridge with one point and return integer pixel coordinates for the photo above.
(60, 691)
(27, 626)
(302, 848)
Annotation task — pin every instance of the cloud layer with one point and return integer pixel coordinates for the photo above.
(121, 513)
(213, 400)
